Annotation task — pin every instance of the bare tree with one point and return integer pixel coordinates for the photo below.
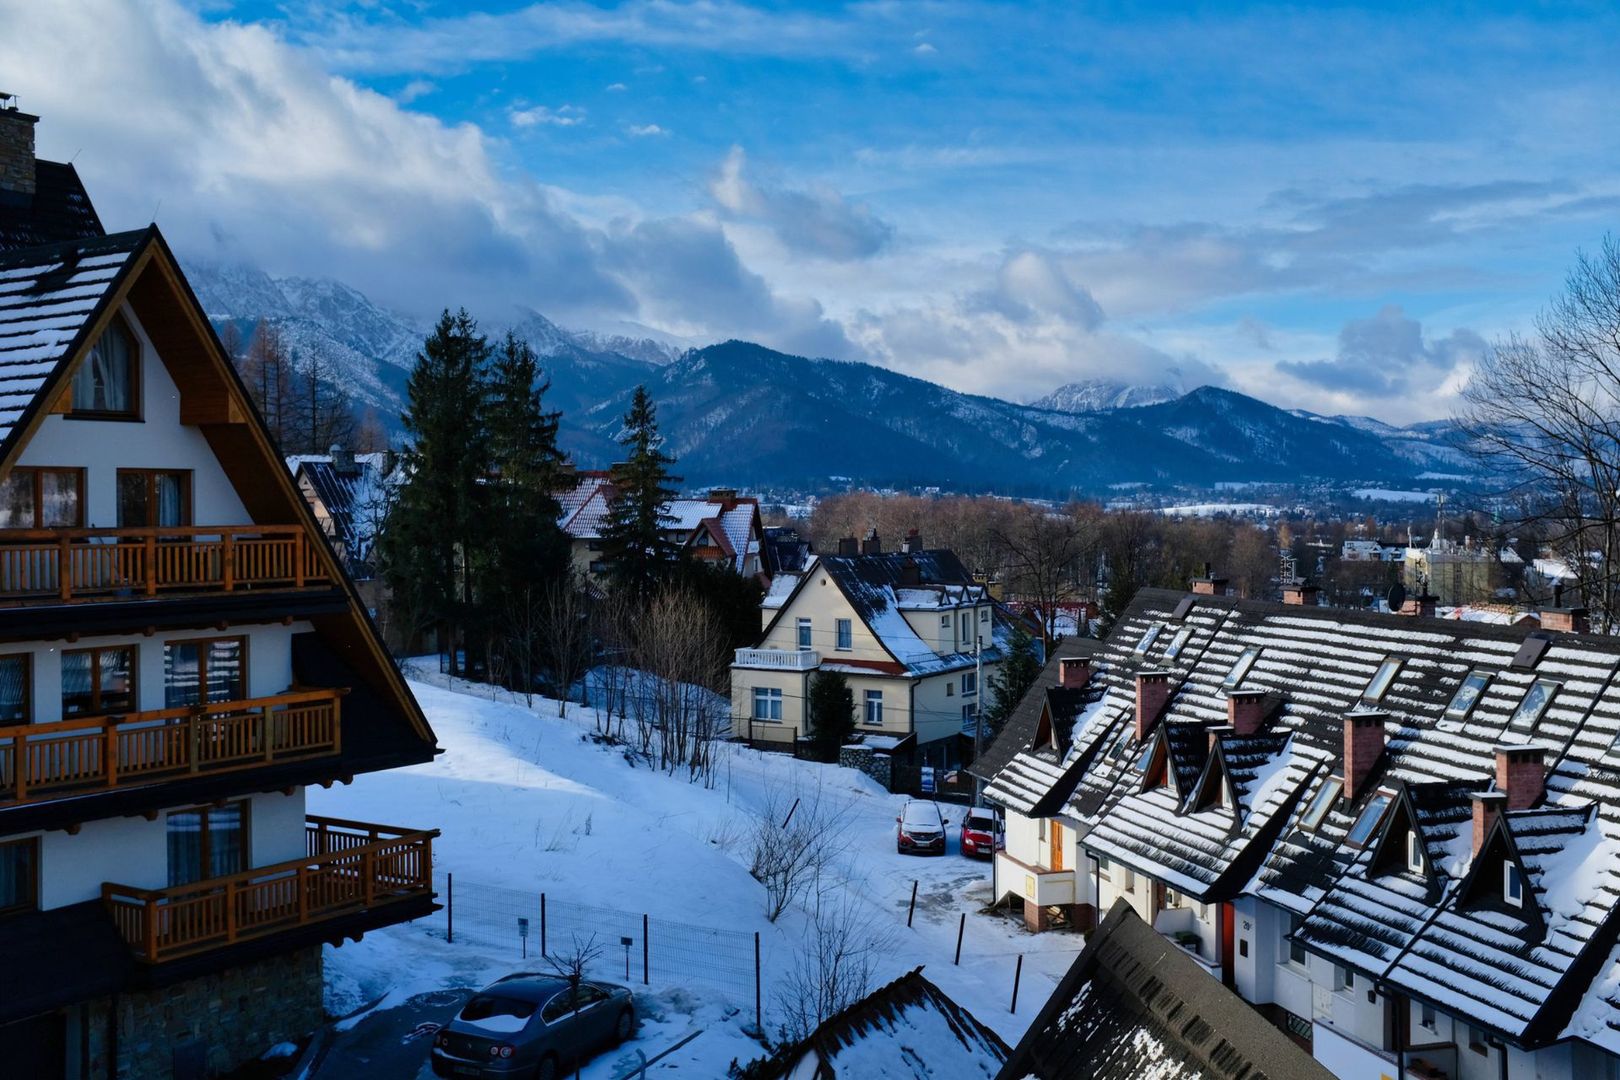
(566, 645)
(268, 374)
(797, 835)
(572, 961)
(681, 655)
(322, 412)
(1043, 550)
(836, 967)
(613, 625)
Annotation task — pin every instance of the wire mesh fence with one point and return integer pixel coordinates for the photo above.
(631, 946)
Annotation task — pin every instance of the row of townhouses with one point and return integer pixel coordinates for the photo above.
(1397, 837)
(181, 657)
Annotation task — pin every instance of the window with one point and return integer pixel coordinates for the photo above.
(14, 680)
(874, 706)
(944, 622)
(806, 634)
(1414, 852)
(1040, 829)
(207, 671)
(1379, 684)
(1326, 796)
(846, 635)
(153, 498)
(1512, 884)
(1476, 1040)
(108, 380)
(1467, 696)
(970, 683)
(1535, 702)
(1371, 814)
(1178, 643)
(98, 681)
(1148, 639)
(970, 713)
(1295, 951)
(984, 615)
(964, 627)
(1145, 758)
(42, 499)
(950, 689)
(1235, 677)
(767, 703)
(1344, 979)
(1104, 868)
(1130, 880)
(1427, 1020)
(558, 1007)
(207, 842)
(19, 876)
(1119, 747)
(484, 1006)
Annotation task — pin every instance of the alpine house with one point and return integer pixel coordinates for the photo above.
(181, 655)
(1396, 836)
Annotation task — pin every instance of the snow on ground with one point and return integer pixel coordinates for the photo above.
(525, 799)
(1392, 495)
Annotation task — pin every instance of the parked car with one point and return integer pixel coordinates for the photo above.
(981, 832)
(533, 1025)
(920, 828)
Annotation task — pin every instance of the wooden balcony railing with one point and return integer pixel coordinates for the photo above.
(73, 565)
(77, 757)
(359, 868)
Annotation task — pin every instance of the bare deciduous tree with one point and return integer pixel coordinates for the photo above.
(797, 835)
(836, 967)
(566, 645)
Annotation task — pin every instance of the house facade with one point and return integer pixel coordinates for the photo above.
(1393, 835)
(723, 529)
(911, 632)
(181, 657)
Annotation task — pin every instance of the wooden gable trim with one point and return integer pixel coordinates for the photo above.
(1205, 792)
(1043, 727)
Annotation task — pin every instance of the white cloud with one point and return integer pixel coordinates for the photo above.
(924, 49)
(818, 221)
(413, 90)
(564, 116)
(616, 88)
(645, 131)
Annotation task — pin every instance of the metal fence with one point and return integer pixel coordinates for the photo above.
(629, 946)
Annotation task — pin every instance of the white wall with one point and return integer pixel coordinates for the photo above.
(159, 441)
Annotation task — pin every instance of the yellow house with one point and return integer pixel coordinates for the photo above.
(914, 635)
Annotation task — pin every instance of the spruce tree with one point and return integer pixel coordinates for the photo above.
(830, 707)
(434, 534)
(638, 555)
(527, 545)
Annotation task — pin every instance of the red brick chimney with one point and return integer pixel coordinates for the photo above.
(1521, 774)
(1300, 594)
(1487, 805)
(1565, 620)
(1209, 584)
(1074, 672)
(1245, 709)
(1363, 745)
(871, 545)
(1215, 732)
(1152, 693)
(1423, 605)
(912, 543)
(17, 170)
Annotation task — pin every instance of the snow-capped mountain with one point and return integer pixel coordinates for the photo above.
(1095, 395)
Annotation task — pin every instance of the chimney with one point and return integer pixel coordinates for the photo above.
(1152, 693)
(912, 543)
(1074, 672)
(342, 460)
(1565, 620)
(1209, 584)
(1216, 732)
(1487, 805)
(848, 545)
(1521, 774)
(1422, 605)
(910, 574)
(726, 497)
(1300, 594)
(871, 545)
(1245, 709)
(1363, 746)
(17, 174)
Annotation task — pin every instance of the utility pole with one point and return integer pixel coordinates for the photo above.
(978, 706)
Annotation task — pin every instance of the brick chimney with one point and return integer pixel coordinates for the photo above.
(1565, 620)
(1363, 746)
(910, 574)
(726, 497)
(871, 545)
(848, 545)
(1209, 584)
(1422, 605)
(1521, 774)
(1487, 805)
(1245, 709)
(1215, 732)
(1152, 694)
(17, 173)
(1074, 672)
(912, 543)
(1300, 593)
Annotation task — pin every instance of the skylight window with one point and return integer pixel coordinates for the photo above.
(1149, 638)
(1512, 885)
(1118, 750)
(1326, 796)
(1371, 815)
(1178, 643)
(1145, 758)
(1468, 695)
(1240, 670)
(1536, 700)
(1380, 681)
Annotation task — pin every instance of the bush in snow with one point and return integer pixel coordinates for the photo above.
(796, 838)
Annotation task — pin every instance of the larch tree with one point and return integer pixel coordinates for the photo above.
(639, 555)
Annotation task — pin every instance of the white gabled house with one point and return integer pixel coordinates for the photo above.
(723, 529)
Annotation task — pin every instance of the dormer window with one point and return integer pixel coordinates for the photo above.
(1467, 695)
(1240, 670)
(1178, 643)
(1371, 815)
(1381, 680)
(1414, 852)
(1536, 700)
(1325, 797)
(1144, 760)
(1149, 638)
(107, 382)
(1512, 884)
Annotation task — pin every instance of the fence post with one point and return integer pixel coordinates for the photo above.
(759, 1023)
(450, 908)
(1018, 973)
(645, 950)
(543, 951)
(960, 927)
(913, 908)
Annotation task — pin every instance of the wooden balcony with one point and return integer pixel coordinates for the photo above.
(351, 868)
(78, 757)
(77, 565)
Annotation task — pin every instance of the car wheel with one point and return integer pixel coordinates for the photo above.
(548, 1068)
(624, 1027)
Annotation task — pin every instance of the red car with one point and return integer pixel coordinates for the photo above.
(981, 832)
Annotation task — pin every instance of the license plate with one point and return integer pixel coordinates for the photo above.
(468, 1070)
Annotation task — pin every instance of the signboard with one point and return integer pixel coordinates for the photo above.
(928, 779)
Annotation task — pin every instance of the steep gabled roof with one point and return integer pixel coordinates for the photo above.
(58, 210)
(1136, 1006)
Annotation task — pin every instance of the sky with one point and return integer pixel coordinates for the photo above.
(1333, 207)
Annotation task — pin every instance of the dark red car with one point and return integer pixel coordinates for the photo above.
(981, 832)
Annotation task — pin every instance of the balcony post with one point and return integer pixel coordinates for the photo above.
(337, 723)
(151, 934)
(109, 754)
(264, 733)
(64, 569)
(150, 558)
(19, 765)
(368, 872)
(194, 726)
(230, 909)
(298, 558)
(228, 562)
(302, 876)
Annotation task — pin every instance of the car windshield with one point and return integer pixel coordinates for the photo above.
(922, 815)
(485, 1006)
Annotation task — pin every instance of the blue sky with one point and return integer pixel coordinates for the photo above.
(1334, 207)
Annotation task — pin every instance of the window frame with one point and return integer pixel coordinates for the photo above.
(97, 706)
(804, 634)
(1383, 799)
(1553, 685)
(1149, 636)
(970, 684)
(136, 411)
(1512, 881)
(1172, 651)
(1463, 712)
(1321, 804)
(150, 478)
(772, 697)
(37, 474)
(1416, 859)
(845, 630)
(26, 713)
(869, 699)
(1294, 955)
(1241, 667)
(31, 894)
(203, 644)
(205, 849)
(1393, 665)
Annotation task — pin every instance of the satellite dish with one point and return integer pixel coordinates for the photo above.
(1397, 596)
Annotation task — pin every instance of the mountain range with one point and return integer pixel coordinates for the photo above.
(741, 414)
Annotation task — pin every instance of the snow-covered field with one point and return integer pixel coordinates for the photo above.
(525, 800)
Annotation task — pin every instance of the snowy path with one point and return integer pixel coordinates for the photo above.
(525, 801)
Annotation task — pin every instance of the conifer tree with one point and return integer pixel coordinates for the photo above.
(527, 545)
(638, 555)
(1019, 670)
(831, 706)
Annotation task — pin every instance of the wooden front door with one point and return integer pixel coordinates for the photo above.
(1056, 843)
